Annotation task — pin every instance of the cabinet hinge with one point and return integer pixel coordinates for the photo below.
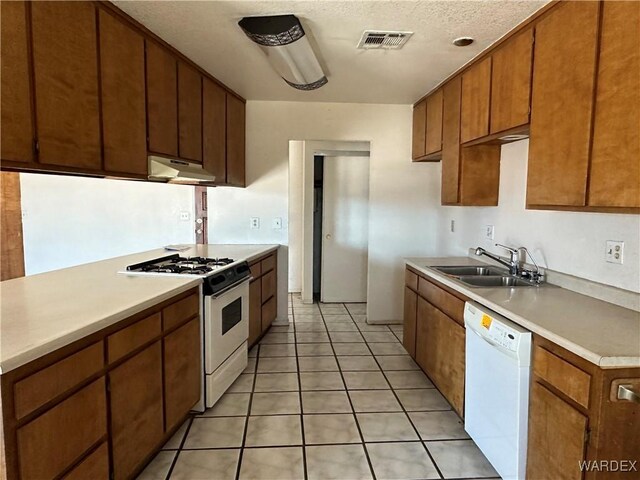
(108, 384)
(36, 146)
(587, 436)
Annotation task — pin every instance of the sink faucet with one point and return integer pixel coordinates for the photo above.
(515, 266)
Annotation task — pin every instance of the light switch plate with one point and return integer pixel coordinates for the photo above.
(277, 223)
(614, 252)
(489, 232)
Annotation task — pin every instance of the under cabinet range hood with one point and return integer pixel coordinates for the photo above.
(287, 47)
(171, 170)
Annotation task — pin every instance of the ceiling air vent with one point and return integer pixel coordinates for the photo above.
(383, 39)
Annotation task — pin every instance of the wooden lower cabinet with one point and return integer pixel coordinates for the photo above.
(182, 372)
(557, 435)
(440, 352)
(263, 296)
(136, 410)
(410, 314)
(53, 441)
(101, 407)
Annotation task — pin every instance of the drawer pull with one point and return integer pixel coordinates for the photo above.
(626, 393)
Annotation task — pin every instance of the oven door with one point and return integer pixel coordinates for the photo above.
(226, 324)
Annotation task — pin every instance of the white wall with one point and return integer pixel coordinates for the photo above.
(568, 242)
(296, 226)
(72, 220)
(403, 195)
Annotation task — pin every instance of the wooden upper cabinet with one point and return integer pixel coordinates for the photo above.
(564, 69)
(235, 141)
(615, 157)
(476, 91)
(557, 433)
(511, 82)
(189, 112)
(451, 141)
(433, 142)
(124, 125)
(419, 130)
(16, 124)
(162, 101)
(214, 128)
(65, 63)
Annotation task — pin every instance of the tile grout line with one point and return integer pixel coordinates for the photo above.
(353, 412)
(179, 449)
(304, 449)
(407, 416)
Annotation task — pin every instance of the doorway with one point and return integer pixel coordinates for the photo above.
(328, 220)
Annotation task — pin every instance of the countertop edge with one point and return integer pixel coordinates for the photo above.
(67, 339)
(596, 359)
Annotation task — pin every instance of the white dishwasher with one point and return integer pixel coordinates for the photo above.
(498, 360)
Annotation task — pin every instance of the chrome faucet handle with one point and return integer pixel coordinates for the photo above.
(511, 249)
(536, 275)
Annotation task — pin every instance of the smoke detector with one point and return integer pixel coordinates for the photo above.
(383, 39)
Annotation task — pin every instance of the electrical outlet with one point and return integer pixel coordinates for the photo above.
(255, 222)
(277, 223)
(489, 232)
(184, 216)
(453, 226)
(614, 252)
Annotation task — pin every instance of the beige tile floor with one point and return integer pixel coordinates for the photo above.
(326, 397)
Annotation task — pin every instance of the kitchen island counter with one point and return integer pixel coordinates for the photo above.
(41, 313)
(600, 332)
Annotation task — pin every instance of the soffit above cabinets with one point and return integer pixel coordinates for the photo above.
(207, 32)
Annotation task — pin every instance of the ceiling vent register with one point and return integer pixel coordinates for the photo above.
(377, 39)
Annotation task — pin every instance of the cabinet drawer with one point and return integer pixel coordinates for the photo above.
(256, 269)
(268, 313)
(54, 440)
(37, 389)
(268, 285)
(180, 311)
(94, 467)
(443, 300)
(570, 380)
(411, 280)
(268, 263)
(128, 339)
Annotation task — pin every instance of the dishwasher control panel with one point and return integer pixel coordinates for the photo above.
(503, 336)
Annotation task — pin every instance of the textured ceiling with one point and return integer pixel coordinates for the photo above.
(207, 32)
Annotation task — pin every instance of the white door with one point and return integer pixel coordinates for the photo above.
(345, 229)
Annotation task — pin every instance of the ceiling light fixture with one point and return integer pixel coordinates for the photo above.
(283, 40)
(463, 41)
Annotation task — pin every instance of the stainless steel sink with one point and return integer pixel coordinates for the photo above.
(495, 281)
(470, 270)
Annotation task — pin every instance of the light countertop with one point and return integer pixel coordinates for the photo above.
(600, 332)
(44, 312)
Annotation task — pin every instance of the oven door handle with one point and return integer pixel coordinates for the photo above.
(230, 287)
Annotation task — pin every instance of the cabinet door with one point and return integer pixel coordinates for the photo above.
(564, 68)
(94, 467)
(235, 141)
(615, 164)
(433, 138)
(255, 310)
(511, 82)
(189, 112)
(136, 410)
(425, 345)
(476, 91)
(451, 141)
(162, 102)
(124, 124)
(65, 63)
(16, 124)
(214, 128)
(269, 312)
(182, 372)
(557, 433)
(419, 130)
(450, 360)
(53, 441)
(410, 314)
